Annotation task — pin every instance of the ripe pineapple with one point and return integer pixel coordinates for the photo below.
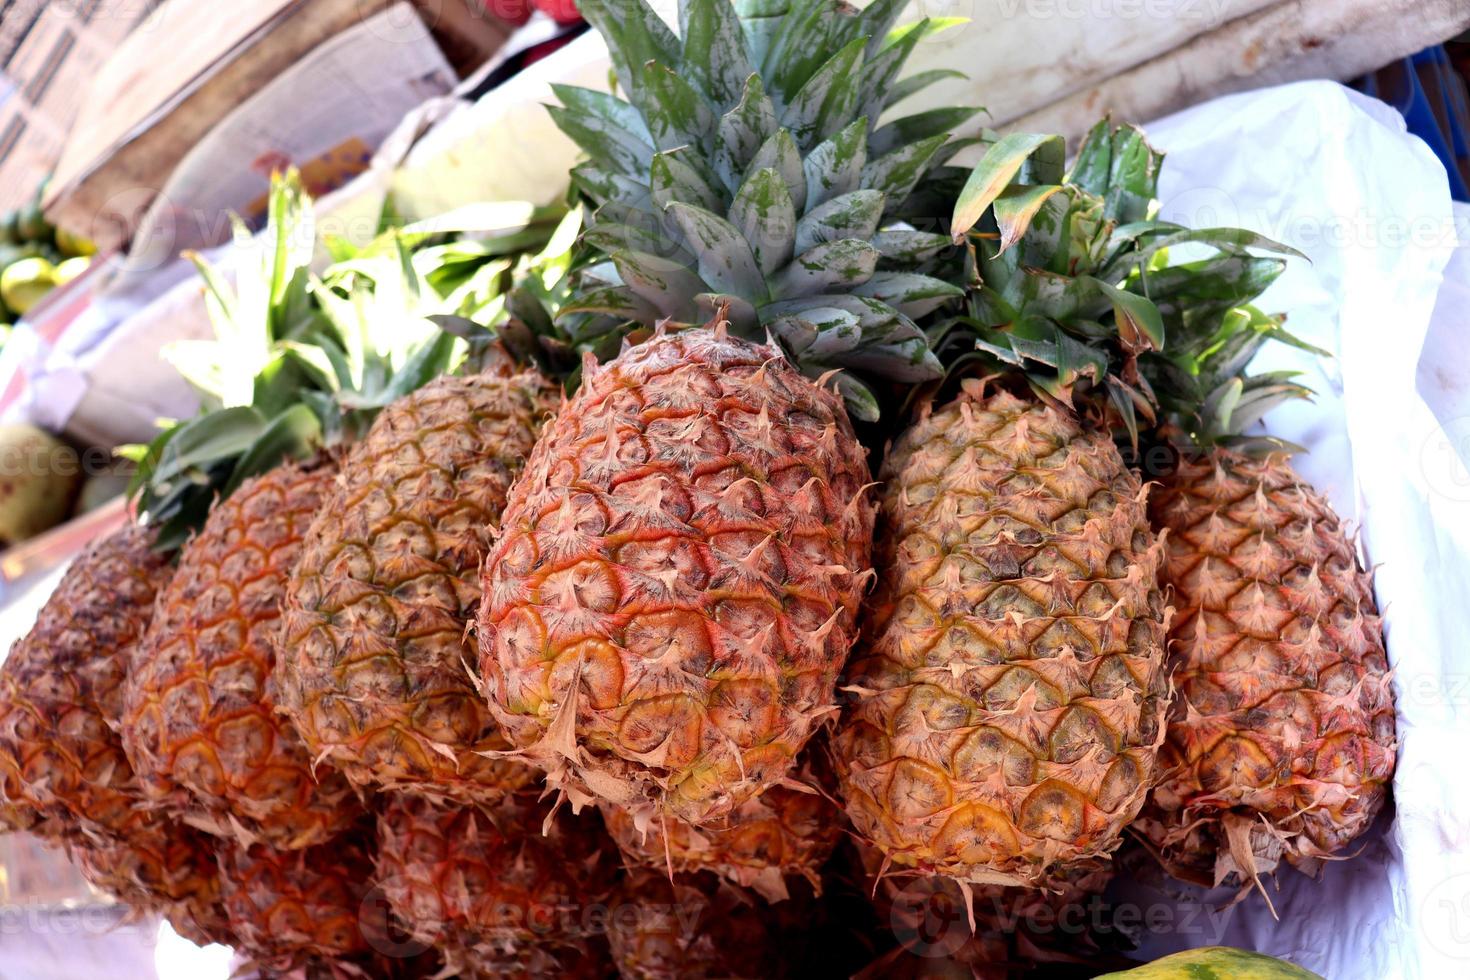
(488, 889)
(667, 612)
(308, 908)
(676, 584)
(1281, 744)
(165, 868)
(1010, 686)
(788, 831)
(372, 670)
(199, 724)
(61, 760)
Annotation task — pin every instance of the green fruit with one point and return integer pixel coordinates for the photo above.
(33, 226)
(70, 268)
(23, 283)
(38, 478)
(1215, 963)
(72, 244)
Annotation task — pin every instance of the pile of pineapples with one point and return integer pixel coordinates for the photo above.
(529, 605)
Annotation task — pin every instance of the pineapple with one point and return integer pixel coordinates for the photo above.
(165, 868)
(1282, 744)
(61, 760)
(677, 579)
(199, 724)
(488, 889)
(373, 650)
(308, 908)
(674, 593)
(787, 832)
(1010, 688)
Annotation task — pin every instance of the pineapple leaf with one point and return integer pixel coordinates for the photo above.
(844, 264)
(606, 187)
(919, 126)
(909, 248)
(911, 294)
(1000, 165)
(636, 35)
(801, 47)
(858, 397)
(671, 178)
(716, 58)
(1016, 207)
(764, 215)
(667, 285)
(854, 215)
(877, 20)
(608, 143)
(743, 131)
(608, 110)
(723, 253)
(675, 113)
(917, 82)
(779, 153)
(827, 101)
(1140, 327)
(835, 167)
(896, 173)
(880, 76)
(296, 432)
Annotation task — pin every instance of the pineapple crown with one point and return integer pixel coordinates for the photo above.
(302, 363)
(747, 166)
(1072, 283)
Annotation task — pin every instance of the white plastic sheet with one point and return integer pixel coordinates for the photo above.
(1334, 174)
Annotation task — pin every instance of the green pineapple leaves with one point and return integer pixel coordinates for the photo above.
(746, 165)
(1073, 286)
(300, 362)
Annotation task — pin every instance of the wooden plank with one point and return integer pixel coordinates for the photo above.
(143, 113)
(1295, 40)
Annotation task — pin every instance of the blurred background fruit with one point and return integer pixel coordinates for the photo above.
(38, 478)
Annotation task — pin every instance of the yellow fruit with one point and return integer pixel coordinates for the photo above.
(69, 269)
(1010, 684)
(199, 724)
(61, 691)
(1281, 745)
(372, 670)
(23, 283)
(1215, 963)
(676, 585)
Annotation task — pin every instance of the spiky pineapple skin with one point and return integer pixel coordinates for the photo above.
(1285, 712)
(786, 833)
(199, 724)
(165, 868)
(676, 586)
(61, 760)
(488, 889)
(307, 908)
(1010, 689)
(373, 668)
